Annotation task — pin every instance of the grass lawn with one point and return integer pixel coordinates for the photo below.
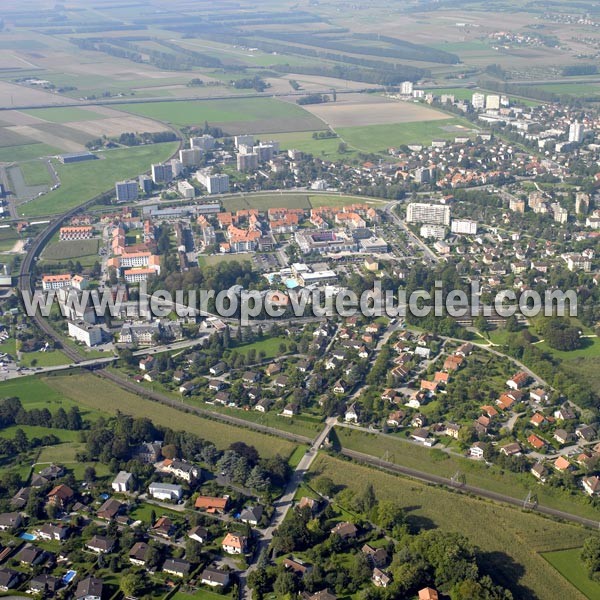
(63, 453)
(266, 201)
(64, 114)
(477, 473)
(317, 200)
(27, 152)
(303, 140)
(216, 259)
(110, 398)
(31, 431)
(572, 89)
(378, 138)
(569, 565)
(510, 539)
(218, 111)
(590, 349)
(143, 512)
(270, 346)
(83, 181)
(296, 456)
(75, 249)
(201, 594)
(53, 358)
(9, 347)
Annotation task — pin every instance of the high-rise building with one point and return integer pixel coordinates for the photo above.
(246, 140)
(434, 214)
(492, 102)
(464, 226)
(126, 191)
(247, 162)
(478, 101)
(204, 142)
(406, 88)
(575, 132)
(582, 203)
(161, 173)
(145, 184)
(264, 152)
(190, 157)
(176, 167)
(214, 184)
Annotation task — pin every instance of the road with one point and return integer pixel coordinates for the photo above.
(284, 503)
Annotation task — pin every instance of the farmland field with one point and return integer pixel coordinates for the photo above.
(63, 114)
(510, 540)
(83, 181)
(569, 565)
(378, 138)
(27, 152)
(327, 148)
(358, 110)
(109, 398)
(230, 114)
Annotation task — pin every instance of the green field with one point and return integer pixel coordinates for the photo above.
(223, 111)
(317, 200)
(64, 114)
(266, 201)
(569, 565)
(75, 249)
(571, 89)
(378, 138)
(270, 346)
(35, 173)
(82, 181)
(590, 349)
(110, 398)
(27, 152)
(510, 540)
(52, 358)
(327, 148)
(31, 431)
(477, 473)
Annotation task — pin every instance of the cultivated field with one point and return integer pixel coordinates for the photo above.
(83, 181)
(568, 564)
(509, 539)
(234, 115)
(357, 110)
(110, 398)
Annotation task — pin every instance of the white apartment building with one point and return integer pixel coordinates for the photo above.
(126, 191)
(433, 214)
(464, 226)
(406, 88)
(186, 189)
(90, 335)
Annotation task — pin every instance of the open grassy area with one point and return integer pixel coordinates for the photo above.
(215, 259)
(110, 398)
(52, 358)
(590, 349)
(35, 173)
(327, 148)
(82, 250)
(83, 181)
(27, 152)
(32, 431)
(477, 473)
(266, 201)
(317, 200)
(571, 89)
(66, 114)
(510, 539)
(270, 346)
(378, 138)
(568, 564)
(222, 111)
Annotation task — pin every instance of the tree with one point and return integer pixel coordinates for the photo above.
(590, 556)
(89, 475)
(285, 584)
(360, 569)
(132, 584)
(325, 486)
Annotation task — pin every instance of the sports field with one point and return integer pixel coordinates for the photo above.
(378, 138)
(509, 540)
(230, 113)
(82, 181)
(76, 249)
(568, 564)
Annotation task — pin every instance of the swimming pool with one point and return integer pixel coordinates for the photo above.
(69, 576)
(290, 284)
(28, 536)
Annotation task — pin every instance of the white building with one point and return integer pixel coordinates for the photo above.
(190, 157)
(214, 184)
(575, 132)
(165, 491)
(204, 142)
(245, 140)
(478, 101)
(464, 226)
(434, 214)
(90, 335)
(122, 482)
(406, 88)
(186, 189)
(492, 102)
(437, 232)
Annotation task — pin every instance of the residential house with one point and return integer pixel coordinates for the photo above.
(263, 405)
(297, 566)
(351, 414)
(395, 418)
(591, 485)
(536, 441)
(389, 395)
(146, 363)
(31, 556)
(538, 395)
(380, 578)
(180, 469)
(176, 566)
(477, 450)
(101, 544)
(564, 413)
(234, 543)
(537, 419)
(212, 505)
(420, 435)
(562, 464)
(512, 449)
(312, 503)
(518, 381)
(44, 585)
(539, 471)
(109, 509)
(53, 533)
(339, 387)
(345, 530)
(214, 577)
(452, 430)
(428, 594)
(218, 369)
(198, 534)
(123, 482)
(251, 515)
(10, 521)
(9, 579)
(165, 491)
(138, 555)
(60, 496)
(377, 557)
(322, 595)
(585, 432)
(290, 409)
(163, 527)
(562, 436)
(215, 385)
